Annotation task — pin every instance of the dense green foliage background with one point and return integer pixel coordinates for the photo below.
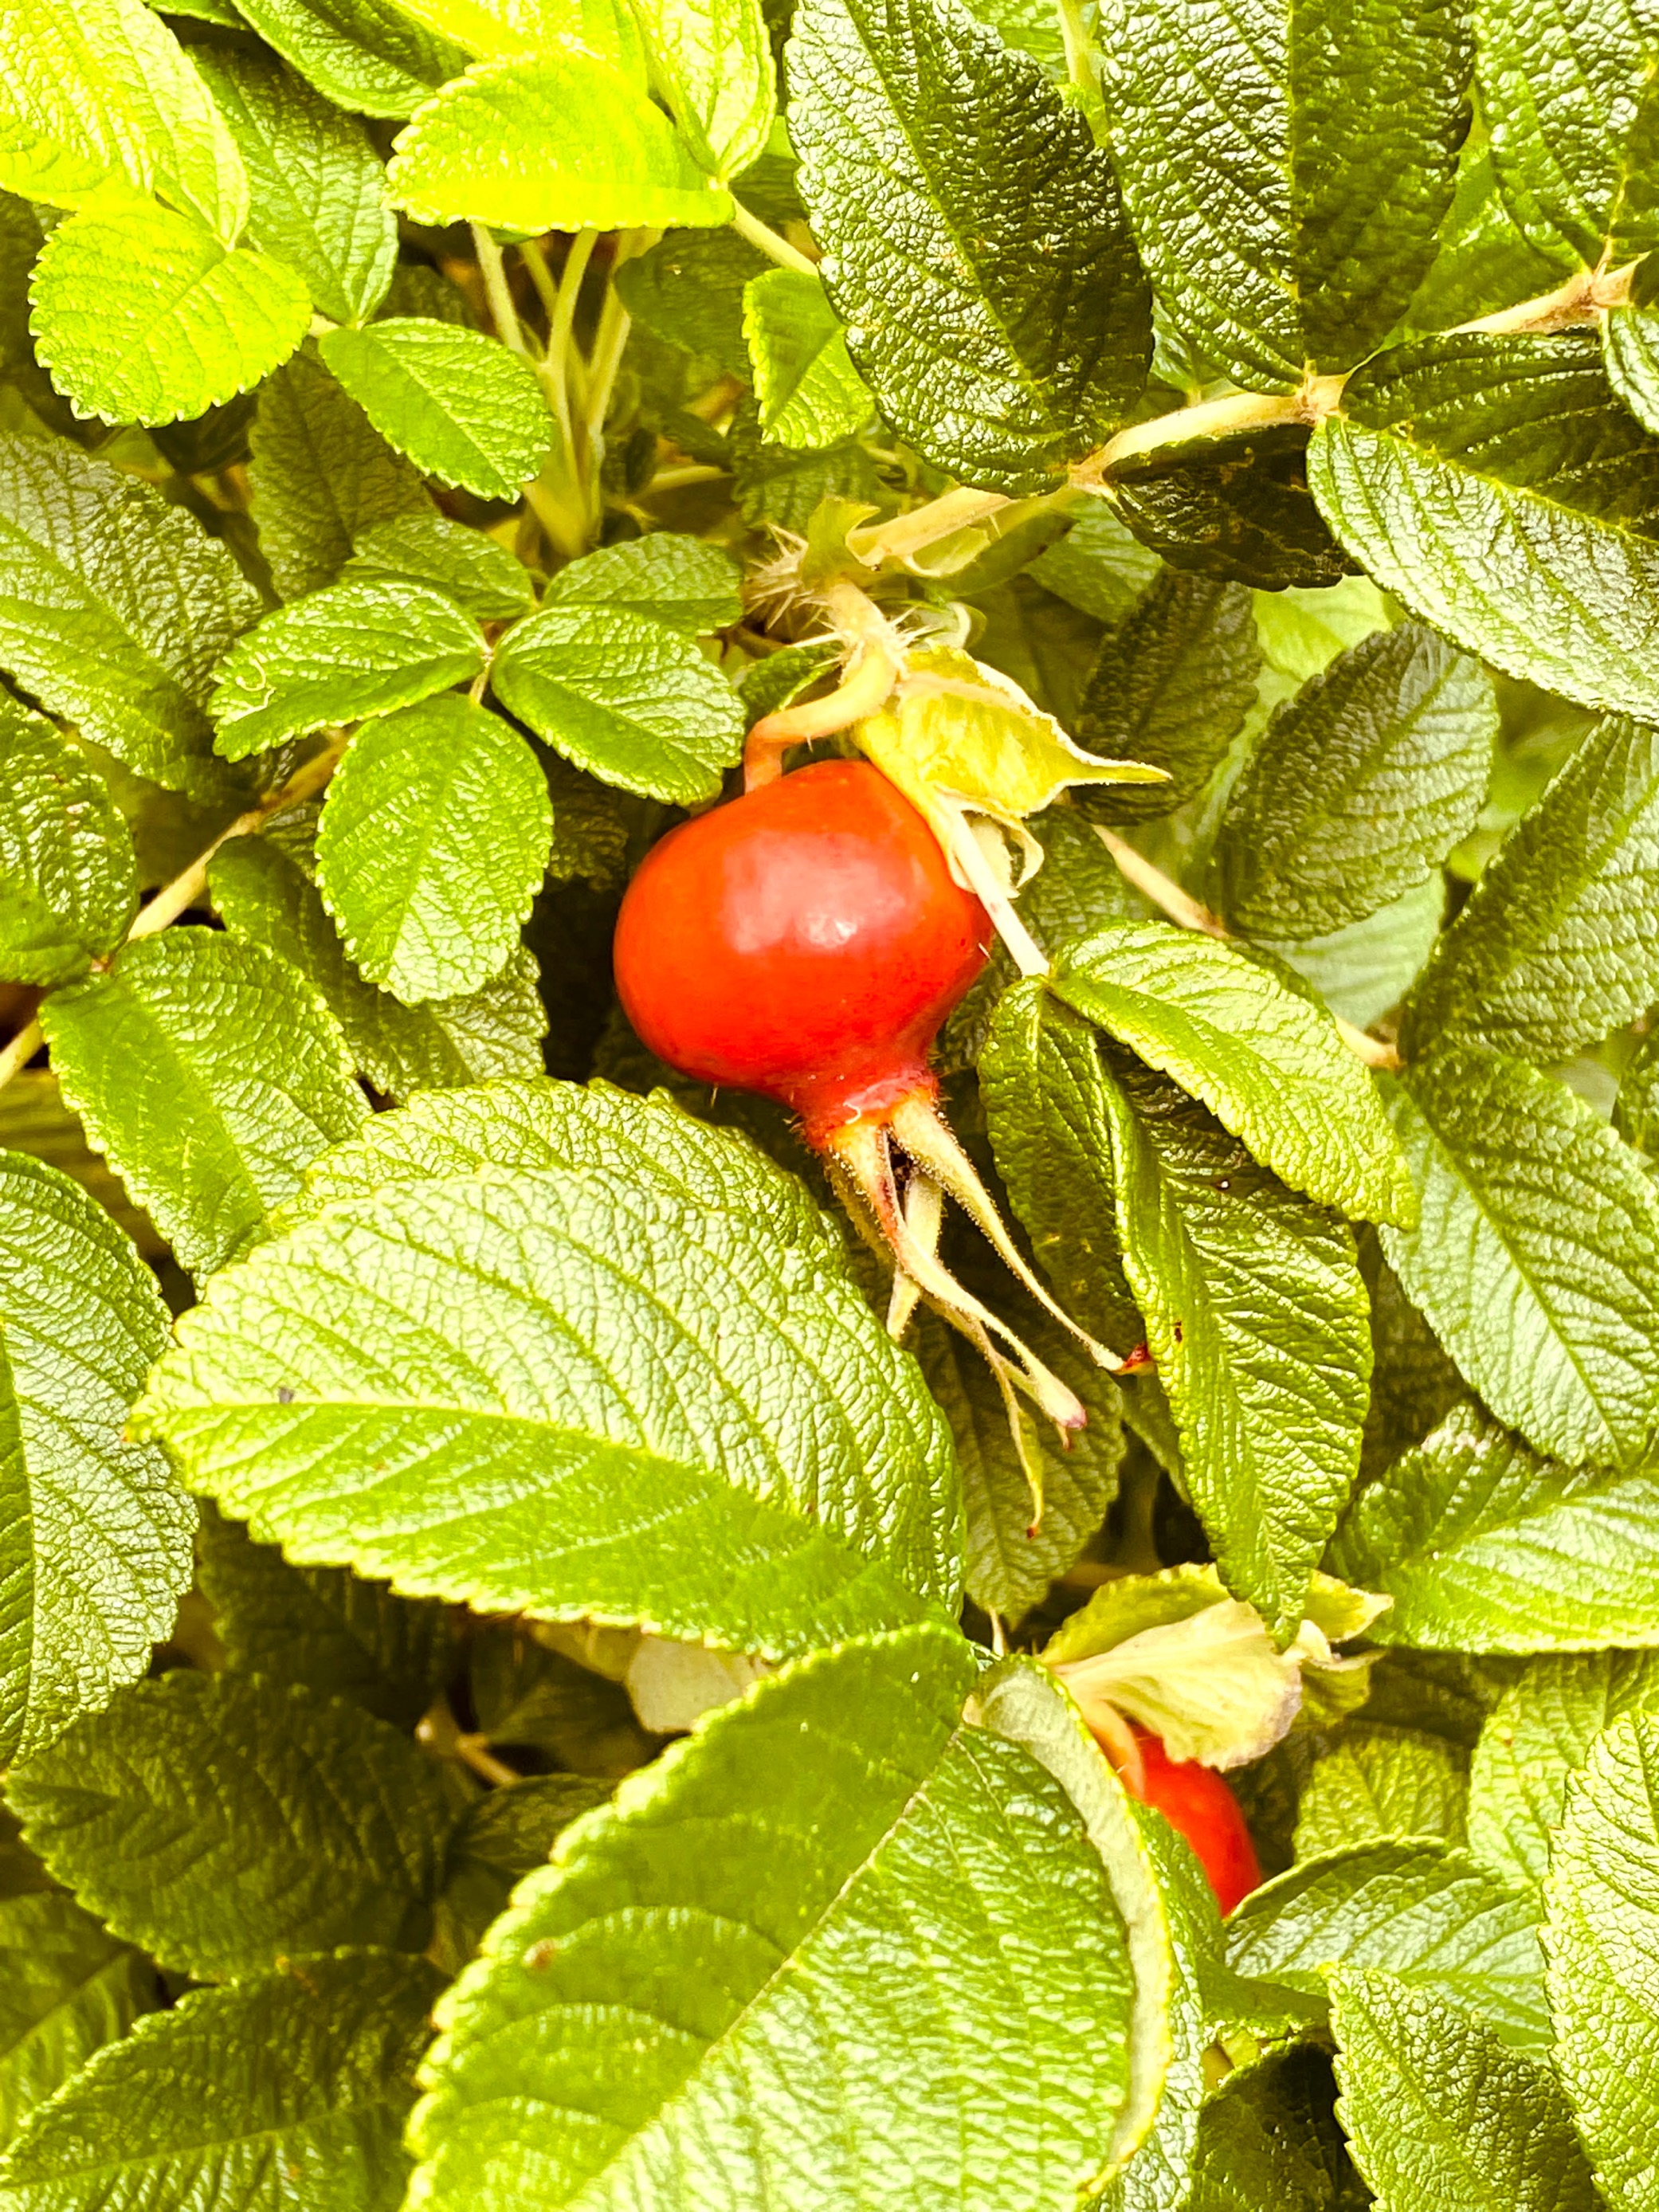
(472, 1554)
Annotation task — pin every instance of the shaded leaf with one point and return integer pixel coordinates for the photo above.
(300, 2080)
(1496, 484)
(67, 880)
(320, 473)
(1484, 1546)
(810, 394)
(1535, 1254)
(114, 607)
(71, 1988)
(209, 1075)
(320, 1627)
(1558, 943)
(1379, 1782)
(974, 240)
(1357, 788)
(223, 1822)
(95, 1552)
(1170, 686)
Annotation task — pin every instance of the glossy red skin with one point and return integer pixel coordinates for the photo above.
(805, 941)
(1195, 1800)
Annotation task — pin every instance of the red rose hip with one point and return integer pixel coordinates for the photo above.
(805, 941)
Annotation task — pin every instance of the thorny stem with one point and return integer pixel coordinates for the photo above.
(1181, 906)
(762, 234)
(497, 291)
(178, 896)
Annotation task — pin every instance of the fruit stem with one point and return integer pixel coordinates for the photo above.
(932, 1144)
(874, 665)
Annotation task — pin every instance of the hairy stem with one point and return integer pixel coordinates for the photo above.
(762, 234)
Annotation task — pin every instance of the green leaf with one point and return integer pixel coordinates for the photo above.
(1357, 788)
(711, 63)
(320, 1627)
(465, 409)
(1630, 351)
(1496, 484)
(1538, 1736)
(526, 1696)
(1635, 1109)
(1567, 91)
(317, 182)
(623, 697)
(687, 290)
(1439, 2112)
(1419, 1910)
(1015, 1544)
(101, 107)
(561, 142)
(1536, 1257)
(96, 1546)
(1171, 685)
(223, 1822)
(114, 606)
(266, 895)
(210, 1074)
(1096, 565)
(677, 581)
(496, 1842)
(70, 1989)
(480, 576)
(1268, 1062)
(974, 239)
(913, 1851)
(1484, 1546)
(143, 315)
(543, 1126)
(69, 884)
(809, 391)
(1242, 512)
(1486, 263)
(1254, 1309)
(1285, 201)
(433, 845)
(1268, 2142)
(1600, 1939)
(319, 475)
(1557, 943)
(364, 55)
(605, 27)
(298, 2082)
(339, 655)
(1048, 1116)
(1363, 970)
(1381, 1782)
(798, 1479)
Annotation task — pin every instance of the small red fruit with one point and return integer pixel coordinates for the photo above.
(1195, 1800)
(805, 941)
